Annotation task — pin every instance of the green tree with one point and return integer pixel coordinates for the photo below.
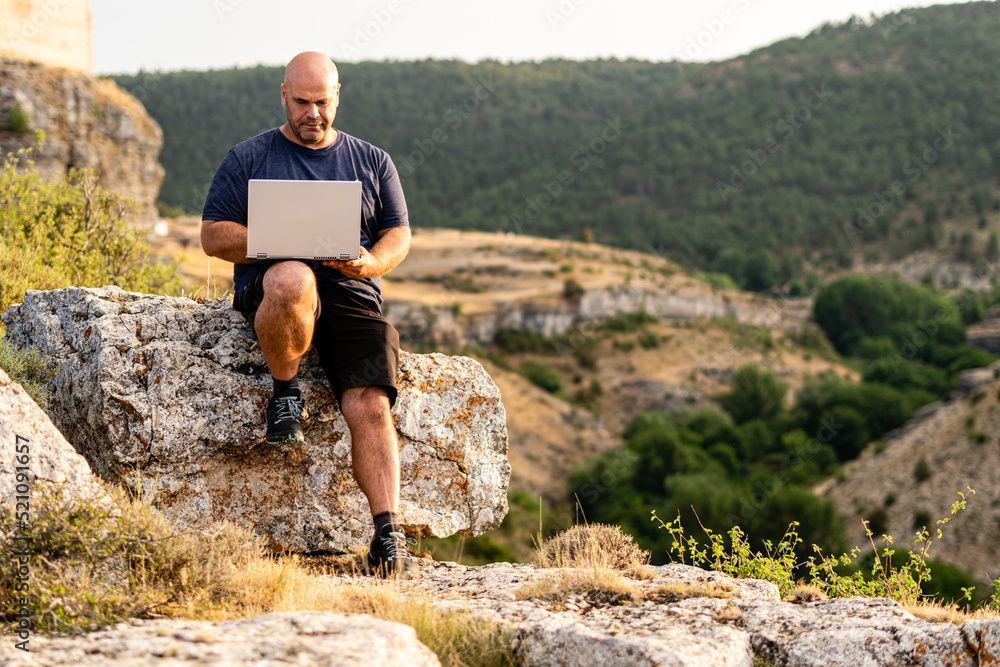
(755, 394)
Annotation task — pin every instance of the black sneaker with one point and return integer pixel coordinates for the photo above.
(389, 555)
(284, 419)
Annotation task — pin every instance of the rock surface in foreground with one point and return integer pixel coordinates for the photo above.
(299, 638)
(750, 620)
(29, 440)
(174, 391)
(744, 622)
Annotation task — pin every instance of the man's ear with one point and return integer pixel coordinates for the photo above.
(283, 92)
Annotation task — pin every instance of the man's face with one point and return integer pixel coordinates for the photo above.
(310, 106)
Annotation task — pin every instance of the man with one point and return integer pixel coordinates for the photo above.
(335, 305)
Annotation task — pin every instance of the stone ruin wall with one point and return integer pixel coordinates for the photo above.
(56, 33)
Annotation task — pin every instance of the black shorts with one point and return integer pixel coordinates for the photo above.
(357, 346)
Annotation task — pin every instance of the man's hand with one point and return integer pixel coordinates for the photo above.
(388, 251)
(364, 266)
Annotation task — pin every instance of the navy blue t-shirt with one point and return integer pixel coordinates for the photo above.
(271, 156)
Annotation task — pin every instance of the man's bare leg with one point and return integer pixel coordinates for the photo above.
(375, 454)
(375, 450)
(286, 317)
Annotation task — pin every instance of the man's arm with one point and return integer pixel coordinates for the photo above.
(391, 248)
(226, 240)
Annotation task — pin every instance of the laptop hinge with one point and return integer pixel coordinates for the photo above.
(345, 255)
(262, 255)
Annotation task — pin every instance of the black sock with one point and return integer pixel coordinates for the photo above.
(384, 519)
(285, 387)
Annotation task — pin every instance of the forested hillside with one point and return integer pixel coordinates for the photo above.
(756, 166)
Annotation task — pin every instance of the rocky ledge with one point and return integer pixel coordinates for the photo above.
(679, 616)
(171, 393)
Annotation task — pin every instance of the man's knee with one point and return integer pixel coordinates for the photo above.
(364, 405)
(289, 284)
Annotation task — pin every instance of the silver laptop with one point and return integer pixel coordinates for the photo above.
(303, 219)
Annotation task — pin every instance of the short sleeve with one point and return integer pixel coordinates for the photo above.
(393, 213)
(227, 198)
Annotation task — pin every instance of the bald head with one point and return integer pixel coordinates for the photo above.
(310, 94)
(311, 65)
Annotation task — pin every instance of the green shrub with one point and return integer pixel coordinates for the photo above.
(572, 290)
(629, 321)
(586, 354)
(29, 368)
(922, 471)
(521, 340)
(543, 376)
(70, 232)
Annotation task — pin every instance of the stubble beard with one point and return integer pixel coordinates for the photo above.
(323, 129)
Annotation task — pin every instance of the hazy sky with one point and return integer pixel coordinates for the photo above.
(207, 34)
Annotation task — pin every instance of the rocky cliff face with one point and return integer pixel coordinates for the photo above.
(88, 123)
(440, 324)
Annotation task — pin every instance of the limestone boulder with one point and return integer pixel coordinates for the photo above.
(289, 638)
(172, 393)
(33, 453)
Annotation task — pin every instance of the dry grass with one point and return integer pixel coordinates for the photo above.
(593, 546)
(677, 591)
(591, 560)
(935, 612)
(94, 566)
(804, 593)
(600, 587)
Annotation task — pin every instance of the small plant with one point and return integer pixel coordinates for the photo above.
(649, 340)
(30, 369)
(20, 121)
(922, 471)
(901, 583)
(776, 565)
(878, 520)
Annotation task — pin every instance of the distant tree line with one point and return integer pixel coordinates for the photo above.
(762, 167)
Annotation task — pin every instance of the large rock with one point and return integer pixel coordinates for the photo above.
(173, 393)
(28, 439)
(289, 638)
